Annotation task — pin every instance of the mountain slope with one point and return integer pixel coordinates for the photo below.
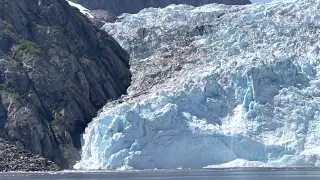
(214, 85)
(118, 7)
(56, 71)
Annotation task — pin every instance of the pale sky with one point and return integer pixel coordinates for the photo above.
(260, 1)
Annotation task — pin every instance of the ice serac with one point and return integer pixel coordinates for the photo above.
(118, 7)
(214, 86)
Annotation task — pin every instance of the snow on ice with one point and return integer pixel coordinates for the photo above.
(82, 9)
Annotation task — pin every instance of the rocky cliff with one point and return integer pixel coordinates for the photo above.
(56, 71)
(118, 7)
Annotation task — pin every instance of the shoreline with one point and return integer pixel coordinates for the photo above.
(231, 169)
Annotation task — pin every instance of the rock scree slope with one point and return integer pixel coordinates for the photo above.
(56, 71)
(15, 158)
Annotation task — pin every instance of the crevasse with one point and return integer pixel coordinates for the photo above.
(214, 86)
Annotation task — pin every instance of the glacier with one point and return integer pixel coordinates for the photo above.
(214, 86)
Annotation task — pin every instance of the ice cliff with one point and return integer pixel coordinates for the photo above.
(214, 86)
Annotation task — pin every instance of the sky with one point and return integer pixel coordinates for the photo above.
(260, 1)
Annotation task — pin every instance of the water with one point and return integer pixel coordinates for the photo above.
(221, 174)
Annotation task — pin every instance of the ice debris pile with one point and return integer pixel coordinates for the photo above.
(214, 86)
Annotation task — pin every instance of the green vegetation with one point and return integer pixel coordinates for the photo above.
(26, 47)
(17, 96)
(29, 47)
(6, 88)
(58, 117)
(9, 28)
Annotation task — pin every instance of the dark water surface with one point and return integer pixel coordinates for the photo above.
(220, 174)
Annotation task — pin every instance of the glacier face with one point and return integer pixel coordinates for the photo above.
(214, 86)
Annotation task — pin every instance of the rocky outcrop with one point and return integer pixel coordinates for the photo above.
(56, 71)
(13, 158)
(100, 17)
(118, 7)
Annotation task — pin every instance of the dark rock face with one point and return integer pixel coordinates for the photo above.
(56, 71)
(118, 7)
